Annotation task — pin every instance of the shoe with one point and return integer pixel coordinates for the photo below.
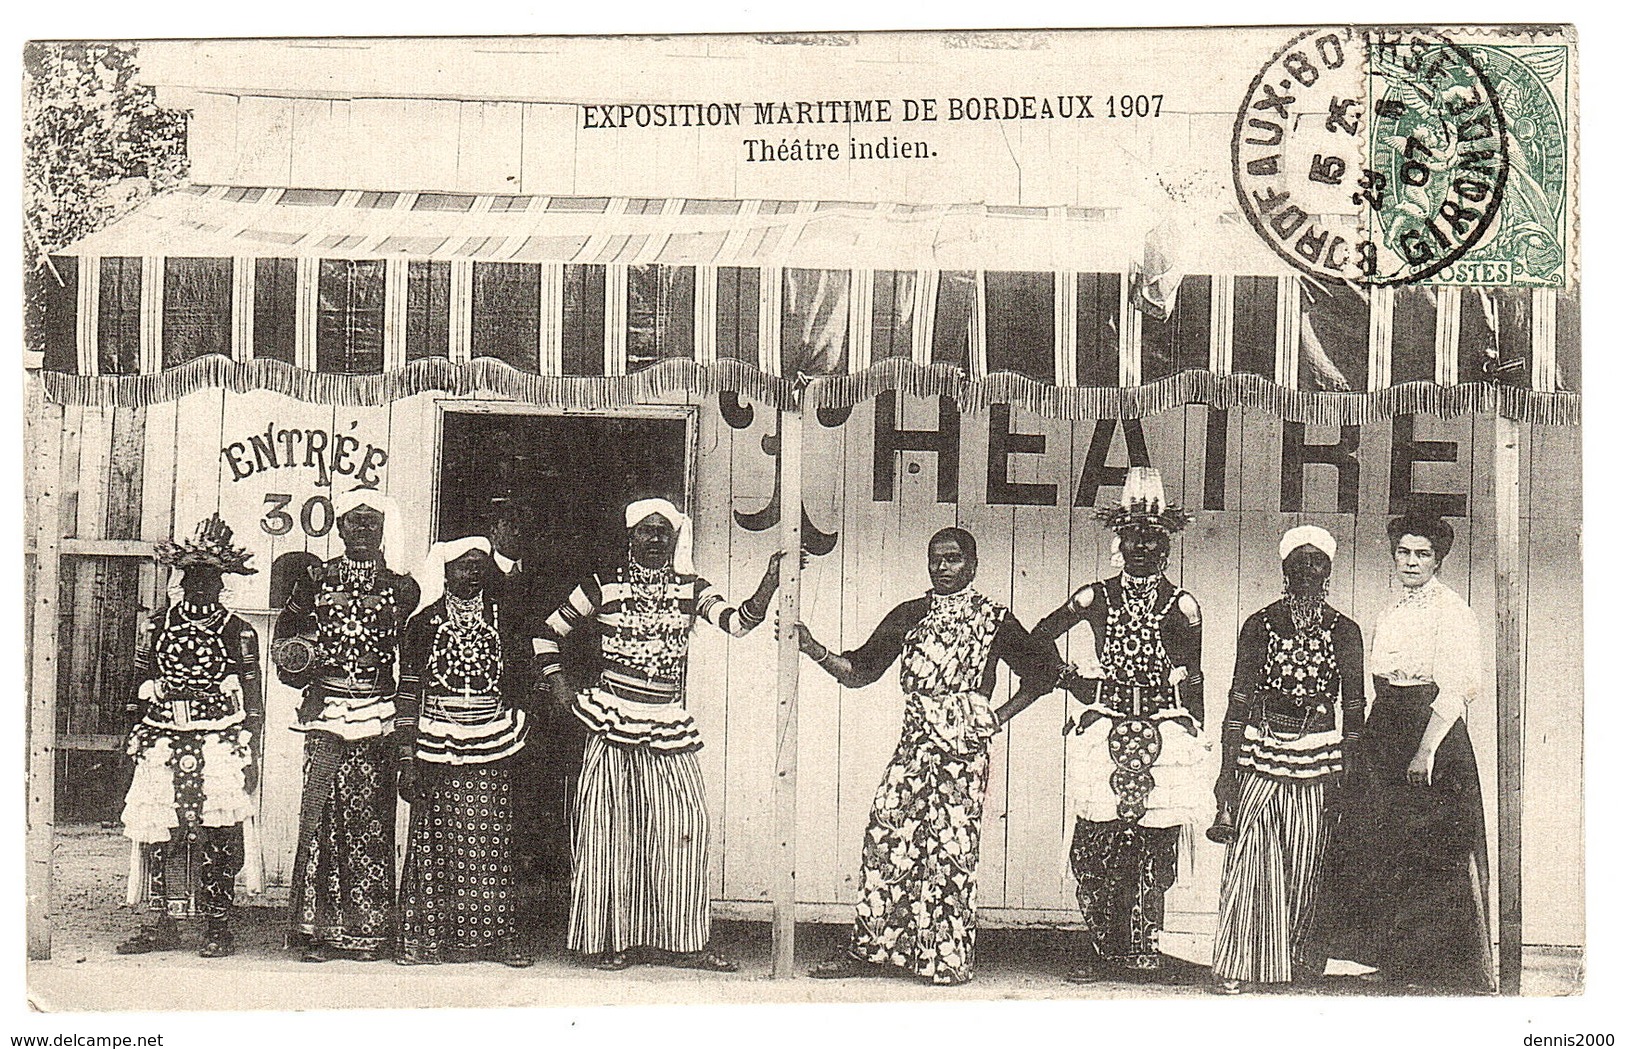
(163, 937)
(610, 961)
(315, 952)
(515, 957)
(844, 966)
(706, 960)
(1225, 987)
(366, 956)
(414, 958)
(220, 946)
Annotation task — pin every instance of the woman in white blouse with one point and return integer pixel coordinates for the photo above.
(1407, 881)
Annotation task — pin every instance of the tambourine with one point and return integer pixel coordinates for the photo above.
(294, 655)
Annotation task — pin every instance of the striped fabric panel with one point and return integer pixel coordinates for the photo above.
(506, 313)
(1021, 324)
(1271, 875)
(118, 328)
(659, 315)
(1334, 351)
(446, 742)
(350, 316)
(197, 309)
(580, 606)
(1306, 757)
(642, 852)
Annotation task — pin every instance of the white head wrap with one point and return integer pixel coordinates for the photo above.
(432, 577)
(682, 560)
(1309, 535)
(394, 543)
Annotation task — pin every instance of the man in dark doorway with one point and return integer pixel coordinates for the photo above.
(546, 770)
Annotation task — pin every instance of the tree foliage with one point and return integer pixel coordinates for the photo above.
(95, 144)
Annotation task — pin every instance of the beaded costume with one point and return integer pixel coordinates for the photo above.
(1135, 774)
(1298, 663)
(200, 709)
(643, 833)
(344, 867)
(457, 719)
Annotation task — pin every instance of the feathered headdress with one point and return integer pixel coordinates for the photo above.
(209, 547)
(1143, 504)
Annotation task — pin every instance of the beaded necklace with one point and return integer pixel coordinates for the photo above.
(357, 575)
(469, 661)
(192, 654)
(207, 617)
(1139, 597)
(652, 619)
(1306, 610)
(465, 612)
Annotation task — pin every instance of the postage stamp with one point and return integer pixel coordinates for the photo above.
(1528, 244)
(1386, 156)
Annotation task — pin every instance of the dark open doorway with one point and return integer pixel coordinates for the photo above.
(572, 475)
(575, 473)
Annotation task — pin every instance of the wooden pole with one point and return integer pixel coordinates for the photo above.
(1509, 699)
(784, 773)
(44, 480)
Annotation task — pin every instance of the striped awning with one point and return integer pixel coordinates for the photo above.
(227, 221)
(354, 297)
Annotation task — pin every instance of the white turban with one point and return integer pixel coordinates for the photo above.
(682, 560)
(1309, 535)
(394, 542)
(433, 574)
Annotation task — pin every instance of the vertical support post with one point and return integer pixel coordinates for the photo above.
(785, 763)
(1509, 699)
(44, 483)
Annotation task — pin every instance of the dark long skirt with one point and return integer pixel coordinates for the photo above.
(458, 894)
(343, 890)
(1406, 888)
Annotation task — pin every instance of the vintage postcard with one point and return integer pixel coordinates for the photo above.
(835, 517)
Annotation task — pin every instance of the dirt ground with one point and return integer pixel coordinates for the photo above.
(89, 918)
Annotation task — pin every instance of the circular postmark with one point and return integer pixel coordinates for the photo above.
(1371, 155)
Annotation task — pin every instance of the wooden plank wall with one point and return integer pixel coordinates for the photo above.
(1032, 558)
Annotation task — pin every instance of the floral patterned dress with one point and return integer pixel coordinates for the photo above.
(917, 900)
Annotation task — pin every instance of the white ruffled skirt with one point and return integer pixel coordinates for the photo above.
(1184, 771)
(149, 806)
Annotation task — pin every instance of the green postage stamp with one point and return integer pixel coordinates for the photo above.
(1529, 243)
(1393, 155)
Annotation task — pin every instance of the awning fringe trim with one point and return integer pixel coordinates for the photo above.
(492, 377)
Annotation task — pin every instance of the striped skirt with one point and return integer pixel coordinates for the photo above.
(642, 851)
(1271, 876)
